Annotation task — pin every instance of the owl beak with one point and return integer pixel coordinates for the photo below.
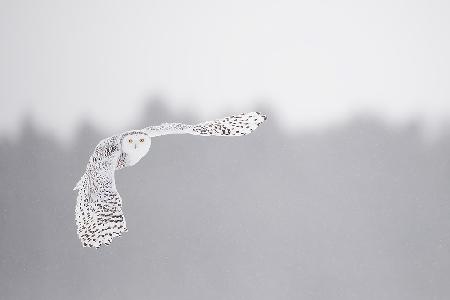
(135, 146)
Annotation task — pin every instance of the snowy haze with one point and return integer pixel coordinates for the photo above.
(314, 62)
(355, 207)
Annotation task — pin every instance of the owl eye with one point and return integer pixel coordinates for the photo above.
(130, 141)
(141, 140)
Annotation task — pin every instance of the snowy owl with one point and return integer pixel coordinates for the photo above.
(98, 212)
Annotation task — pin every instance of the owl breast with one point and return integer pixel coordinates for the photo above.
(128, 160)
(134, 157)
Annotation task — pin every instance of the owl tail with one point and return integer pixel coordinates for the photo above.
(236, 125)
(79, 183)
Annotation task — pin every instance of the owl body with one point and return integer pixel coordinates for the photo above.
(98, 213)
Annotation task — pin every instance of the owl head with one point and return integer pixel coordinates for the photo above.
(135, 144)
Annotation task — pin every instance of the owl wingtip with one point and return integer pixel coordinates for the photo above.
(264, 116)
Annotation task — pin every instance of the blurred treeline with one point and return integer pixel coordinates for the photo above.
(358, 211)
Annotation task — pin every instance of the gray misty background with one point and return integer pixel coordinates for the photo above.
(357, 211)
(343, 193)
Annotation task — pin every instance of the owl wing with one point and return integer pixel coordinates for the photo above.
(98, 211)
(235, 125)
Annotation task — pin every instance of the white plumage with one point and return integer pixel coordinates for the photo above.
(98, 211)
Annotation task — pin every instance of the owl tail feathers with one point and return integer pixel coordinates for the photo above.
(236, 125)
(79, 184)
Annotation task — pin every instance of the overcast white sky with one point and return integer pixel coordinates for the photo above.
(315, 62)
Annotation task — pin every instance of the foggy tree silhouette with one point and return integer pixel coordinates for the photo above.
(359, 211)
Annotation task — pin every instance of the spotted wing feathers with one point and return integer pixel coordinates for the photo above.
(98, 211)
(235, 125)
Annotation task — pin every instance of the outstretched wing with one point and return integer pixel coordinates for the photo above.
(236, 125)
(98, 211)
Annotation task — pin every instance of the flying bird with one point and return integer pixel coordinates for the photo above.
(98, 212)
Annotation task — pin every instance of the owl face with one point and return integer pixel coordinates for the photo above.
(136, 146)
